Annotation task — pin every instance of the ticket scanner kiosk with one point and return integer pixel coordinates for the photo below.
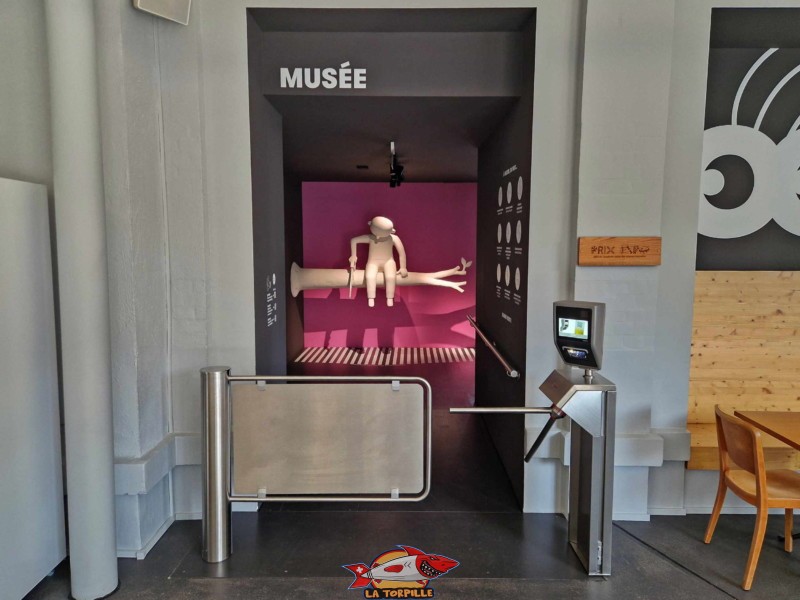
(577, 391)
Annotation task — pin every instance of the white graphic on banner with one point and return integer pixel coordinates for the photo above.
(272, 300)
(776, 181)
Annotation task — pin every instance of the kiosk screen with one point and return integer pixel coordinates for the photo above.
(576, 329)
(578, 332)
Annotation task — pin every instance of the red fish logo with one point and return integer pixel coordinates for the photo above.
(403, 573)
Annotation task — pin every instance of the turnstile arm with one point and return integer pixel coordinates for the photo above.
(554, 412)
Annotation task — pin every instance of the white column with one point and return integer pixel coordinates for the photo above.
(83, 292)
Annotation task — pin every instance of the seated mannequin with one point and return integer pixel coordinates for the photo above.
(382, 242)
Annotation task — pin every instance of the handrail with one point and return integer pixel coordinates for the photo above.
(510, 371)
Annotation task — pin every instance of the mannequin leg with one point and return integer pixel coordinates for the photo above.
(390, 279)
(371, 277)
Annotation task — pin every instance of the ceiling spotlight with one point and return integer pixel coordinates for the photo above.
(396, 176)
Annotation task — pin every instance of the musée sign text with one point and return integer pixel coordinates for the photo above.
(329, 78)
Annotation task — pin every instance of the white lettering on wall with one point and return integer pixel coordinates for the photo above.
(292, 79)
(345, 77)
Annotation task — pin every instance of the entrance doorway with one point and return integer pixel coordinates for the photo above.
(453, 90)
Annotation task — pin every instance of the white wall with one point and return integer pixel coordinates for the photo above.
(556, 106)
(24, 93)
(152, 155)
(623, 134)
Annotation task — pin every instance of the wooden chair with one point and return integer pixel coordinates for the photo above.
(740, 446)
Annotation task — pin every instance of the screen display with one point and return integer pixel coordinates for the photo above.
(576, 329)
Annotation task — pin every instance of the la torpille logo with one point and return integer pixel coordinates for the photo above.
(403, 573)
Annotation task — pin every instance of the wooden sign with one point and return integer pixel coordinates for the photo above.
(619, 251)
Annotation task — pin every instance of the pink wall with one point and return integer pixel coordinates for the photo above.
(435, 221)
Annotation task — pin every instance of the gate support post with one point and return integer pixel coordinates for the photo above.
(216, 438)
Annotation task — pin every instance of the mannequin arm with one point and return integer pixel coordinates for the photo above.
(401, 253)
(354, 242)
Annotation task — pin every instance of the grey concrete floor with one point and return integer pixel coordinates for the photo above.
(296, 550)
(661, 559)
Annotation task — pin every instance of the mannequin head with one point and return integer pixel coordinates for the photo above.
(381, 226)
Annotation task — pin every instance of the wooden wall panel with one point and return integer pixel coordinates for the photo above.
(745, 354)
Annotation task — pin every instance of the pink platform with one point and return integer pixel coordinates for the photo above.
(437, 224)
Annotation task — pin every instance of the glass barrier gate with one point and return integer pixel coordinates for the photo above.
(307, 438)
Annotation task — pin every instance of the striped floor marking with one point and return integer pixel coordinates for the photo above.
(385, 356)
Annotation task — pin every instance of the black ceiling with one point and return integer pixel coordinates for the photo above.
(392, 20)
(436, 139)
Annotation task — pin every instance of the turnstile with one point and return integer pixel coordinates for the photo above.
(590, 401)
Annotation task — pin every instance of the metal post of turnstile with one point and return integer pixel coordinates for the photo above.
(591, 485)
(216, 464)
(590, 401)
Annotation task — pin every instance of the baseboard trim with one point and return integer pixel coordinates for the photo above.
(667, 512)
(625, 516)
(188, 516)
(141, 553)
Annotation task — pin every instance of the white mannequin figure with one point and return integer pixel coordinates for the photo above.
(382, 242)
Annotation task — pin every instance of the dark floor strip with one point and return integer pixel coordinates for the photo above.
(672, 560)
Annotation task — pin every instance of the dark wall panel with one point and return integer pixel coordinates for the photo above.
(293, 231)
(266, 163)
(504, 180)
(399, 64)
(749, 205)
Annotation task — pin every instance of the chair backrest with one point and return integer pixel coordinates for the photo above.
(739, 442)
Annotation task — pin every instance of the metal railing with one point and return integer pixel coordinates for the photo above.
(510, 371)
(218, 459)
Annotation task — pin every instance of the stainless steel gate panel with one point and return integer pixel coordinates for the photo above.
(328, 440)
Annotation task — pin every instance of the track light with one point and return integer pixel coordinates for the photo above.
(396, 176)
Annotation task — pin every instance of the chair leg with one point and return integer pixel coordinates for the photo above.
(712, 521)
(788, 526)
(755, 547)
